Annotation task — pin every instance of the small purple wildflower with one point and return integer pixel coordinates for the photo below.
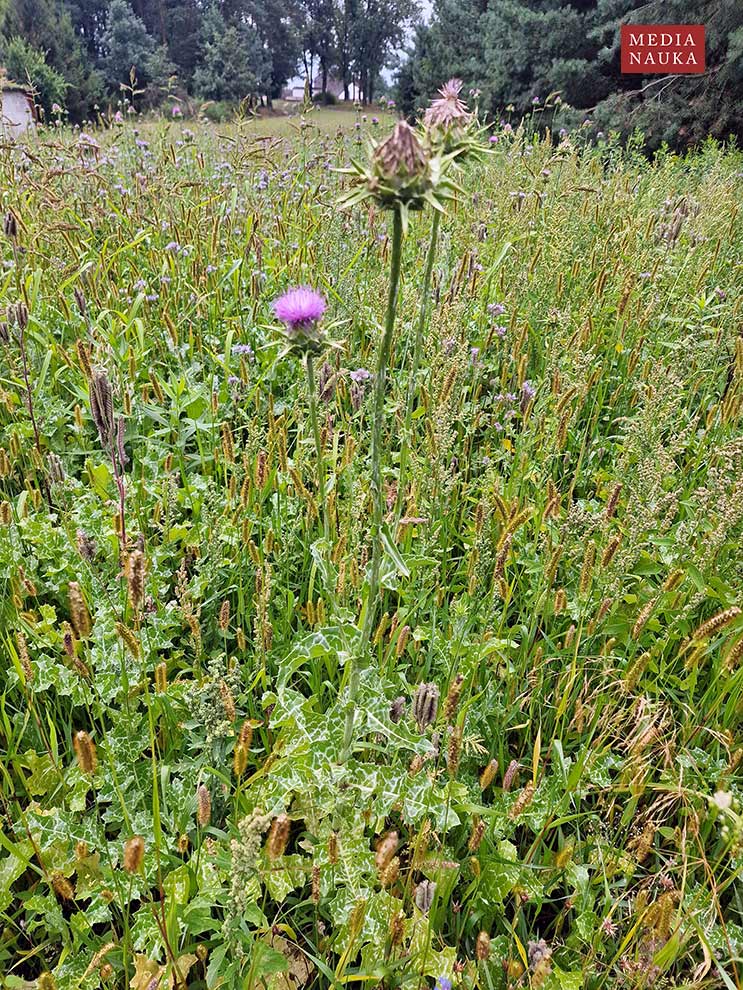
(496, 309)
(243, 350)
(500, 331)
(443, 983)
(493, 139)
(360, 376)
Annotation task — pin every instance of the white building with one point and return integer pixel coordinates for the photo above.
(293, 92)
(17, 114)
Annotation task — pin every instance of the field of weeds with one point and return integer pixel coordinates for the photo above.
(387, 634)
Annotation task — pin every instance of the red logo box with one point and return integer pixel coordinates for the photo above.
(666, 49)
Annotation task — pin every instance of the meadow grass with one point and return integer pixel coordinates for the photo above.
(540, 781)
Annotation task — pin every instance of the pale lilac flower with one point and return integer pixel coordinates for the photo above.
(360, 376)
(243, 350)
(496, 308)
(176, 111)
(500, 331)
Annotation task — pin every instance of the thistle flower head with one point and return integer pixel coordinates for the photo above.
(300, 310)
(448, 110)
(402, 175)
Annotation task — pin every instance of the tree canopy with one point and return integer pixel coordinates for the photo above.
(518, 51)
(80, 53)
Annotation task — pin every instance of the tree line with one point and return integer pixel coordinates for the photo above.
(79, 54)
(518, 52)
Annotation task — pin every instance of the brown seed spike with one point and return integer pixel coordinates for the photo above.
(85, 751)
(203, 805)
(278, 837)
(134, 854)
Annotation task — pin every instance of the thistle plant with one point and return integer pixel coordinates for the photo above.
(301, 310)
(453, 134)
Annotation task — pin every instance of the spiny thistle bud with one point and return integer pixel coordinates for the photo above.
(482, 947)
(424, 894)
(85, 751)
(488, 775)
(46, 982)
(425, 705)
(278, 837)
(102, 407)
(386, 850)
(134, 854)
(401, 165)
(203, 805)
(452, 697)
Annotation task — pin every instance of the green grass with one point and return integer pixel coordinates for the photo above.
(562, 562)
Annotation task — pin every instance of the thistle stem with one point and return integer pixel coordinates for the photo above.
(380, 380)
(417, 350)
(310, 369)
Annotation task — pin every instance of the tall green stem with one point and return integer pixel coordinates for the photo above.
(310, 368)
(417, 349)
(380, 380)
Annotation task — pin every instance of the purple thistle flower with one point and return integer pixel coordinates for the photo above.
(299, 308)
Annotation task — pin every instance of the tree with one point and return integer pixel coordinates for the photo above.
(25, 64)
(127, 46)
(277, 23)
(234, 63)
(46, 26)
(516, 50)
(378, 29)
